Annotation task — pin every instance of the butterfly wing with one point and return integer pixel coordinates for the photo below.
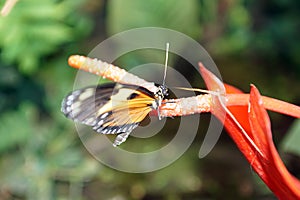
(109, 108)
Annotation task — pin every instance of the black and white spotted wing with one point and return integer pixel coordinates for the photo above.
(110, 108)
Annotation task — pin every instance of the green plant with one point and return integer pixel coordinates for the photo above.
(35, 29)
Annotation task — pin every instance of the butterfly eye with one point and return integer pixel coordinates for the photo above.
(162, 92)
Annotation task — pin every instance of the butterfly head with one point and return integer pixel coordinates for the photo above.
(159, 96)
(162, 92)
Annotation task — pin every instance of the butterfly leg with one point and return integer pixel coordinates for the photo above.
(121, 138)
(156, 106)
(158, 114)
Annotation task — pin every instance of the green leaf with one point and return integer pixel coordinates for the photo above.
(16, 127)
(35, 29)
(292, 140)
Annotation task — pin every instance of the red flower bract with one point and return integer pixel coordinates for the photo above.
(250, 128)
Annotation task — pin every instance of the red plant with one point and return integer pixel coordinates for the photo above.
(249, 126)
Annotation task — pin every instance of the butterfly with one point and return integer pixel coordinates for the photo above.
(113, 108)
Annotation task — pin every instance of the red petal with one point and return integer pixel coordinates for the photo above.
(241, 111)
(237, 125)
(251, 132)
(274, 173)
(212, 82)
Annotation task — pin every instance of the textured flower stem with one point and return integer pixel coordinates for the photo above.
(186, 106)
(109, 71)
(268, 102)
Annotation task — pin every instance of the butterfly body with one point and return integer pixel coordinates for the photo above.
(112, 108)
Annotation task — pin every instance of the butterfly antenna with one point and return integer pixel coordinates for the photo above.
(166, 63)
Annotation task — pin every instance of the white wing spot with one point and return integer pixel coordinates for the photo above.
(69, 102)
(71, 98)
(68, 109)
(104, 115)
(89, 121)
(87, 93)
(104, 131)
(76, 104)
(100, 122)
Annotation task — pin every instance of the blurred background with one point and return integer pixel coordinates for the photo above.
(41, 155)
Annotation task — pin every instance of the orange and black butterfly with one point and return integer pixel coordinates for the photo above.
(112, 108)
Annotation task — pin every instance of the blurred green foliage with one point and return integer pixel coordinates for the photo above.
(292, 140)
(38, 147)
(276, 31)
(124, 15)
(41, 156)
(35, 29)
